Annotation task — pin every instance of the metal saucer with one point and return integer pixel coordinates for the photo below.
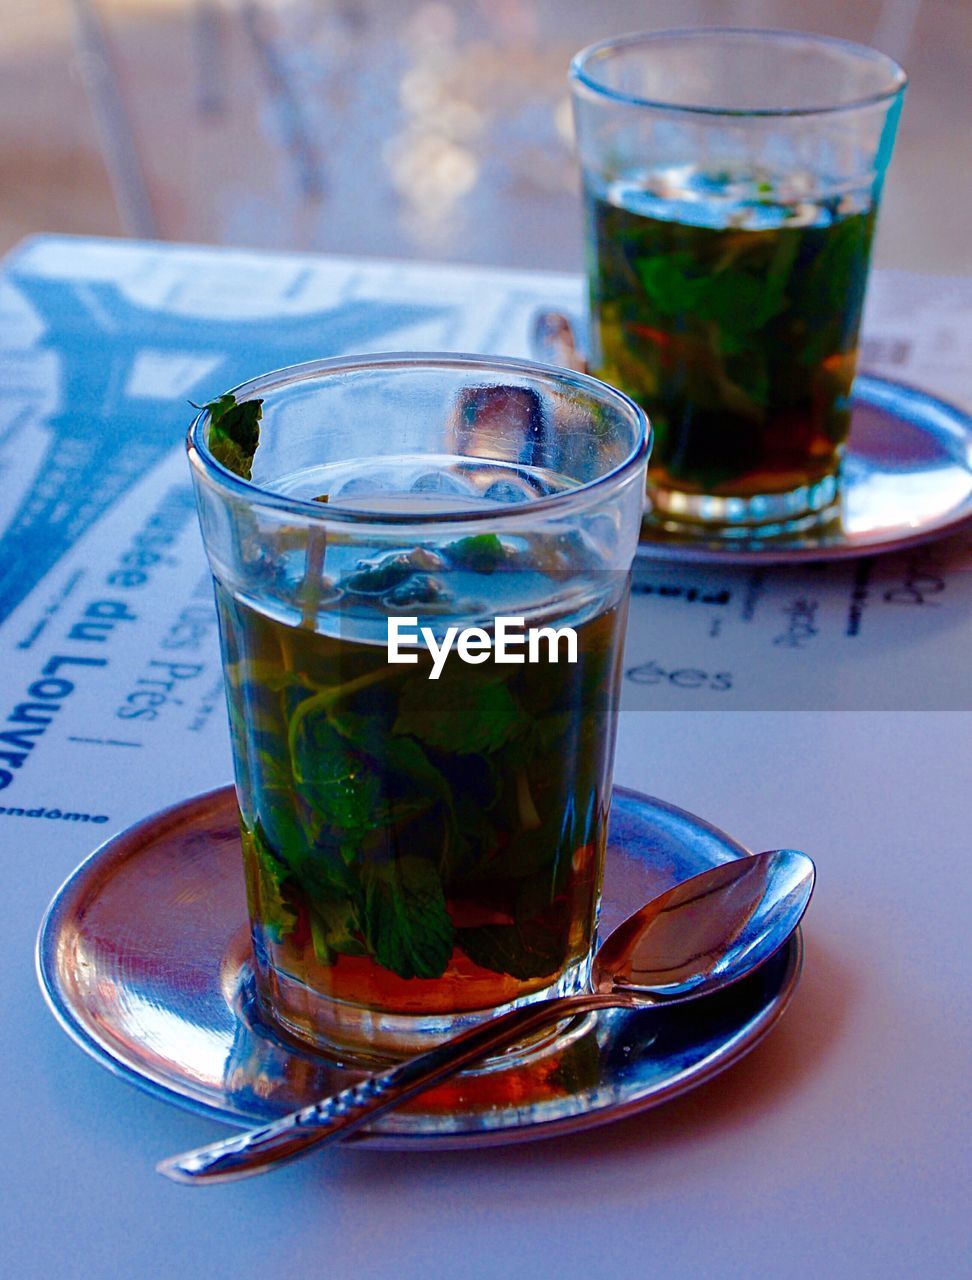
(906, 477)
(143, 959)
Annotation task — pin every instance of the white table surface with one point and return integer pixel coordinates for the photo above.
(839, 1147)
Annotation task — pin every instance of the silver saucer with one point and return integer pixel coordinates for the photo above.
(143, 958)
(906, 476)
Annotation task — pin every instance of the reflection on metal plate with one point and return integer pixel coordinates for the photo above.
(143, 958)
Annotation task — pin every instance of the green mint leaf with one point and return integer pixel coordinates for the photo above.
(405, 764)
(334, 927)
(775, 300)
(272, 907)
(734, 301)
(406, 924)
(669, 282)
(279, 825)
(375, 577)
(523, 951)
(420, 588)
(324, 953)
(460, 715)
(234, 432)
(482, 553)
(339, 784)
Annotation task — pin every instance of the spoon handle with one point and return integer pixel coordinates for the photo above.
(335, 1117)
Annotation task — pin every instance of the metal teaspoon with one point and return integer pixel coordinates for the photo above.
(690, 941)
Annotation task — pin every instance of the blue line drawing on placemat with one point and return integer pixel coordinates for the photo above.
(103, 440)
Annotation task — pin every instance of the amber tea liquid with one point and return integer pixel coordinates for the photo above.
(419, 849)
(729, 307)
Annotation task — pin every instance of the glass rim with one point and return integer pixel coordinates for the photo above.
(579, 73)
(203, 461)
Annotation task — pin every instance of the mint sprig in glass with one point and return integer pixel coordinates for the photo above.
(419, 853)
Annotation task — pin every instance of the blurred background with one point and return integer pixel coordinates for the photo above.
(435, 129)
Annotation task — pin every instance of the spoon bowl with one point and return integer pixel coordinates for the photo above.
(708, 931)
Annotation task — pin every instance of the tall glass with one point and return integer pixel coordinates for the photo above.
(423, 828)
(731, 183)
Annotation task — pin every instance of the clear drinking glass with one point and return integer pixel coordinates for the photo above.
(731, 184)
(422, 848)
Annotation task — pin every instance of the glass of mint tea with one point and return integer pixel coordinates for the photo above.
(731, 182)
(422, 840)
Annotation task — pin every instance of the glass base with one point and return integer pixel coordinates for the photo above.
(354, 1035)
(757, 515)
